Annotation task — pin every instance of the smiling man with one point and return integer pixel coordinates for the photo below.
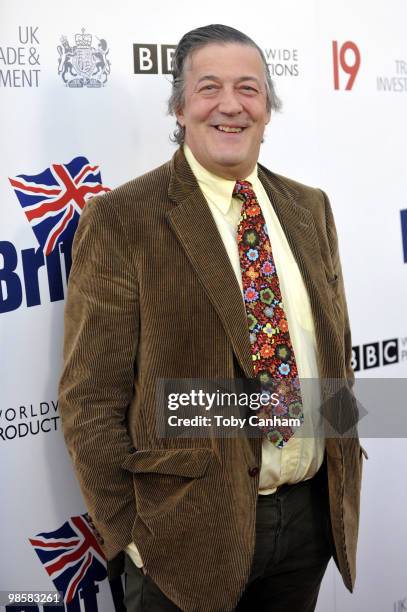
(212, 267)
(226, 108)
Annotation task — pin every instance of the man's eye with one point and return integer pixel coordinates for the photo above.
(249, 88)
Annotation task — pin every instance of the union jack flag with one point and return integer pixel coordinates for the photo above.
(71, 556)
(54, 199)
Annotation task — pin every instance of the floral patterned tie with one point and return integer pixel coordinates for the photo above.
(273, 356)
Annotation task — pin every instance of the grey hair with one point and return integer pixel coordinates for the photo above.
(195, 39)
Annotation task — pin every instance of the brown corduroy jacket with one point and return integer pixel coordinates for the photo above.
(152, 295)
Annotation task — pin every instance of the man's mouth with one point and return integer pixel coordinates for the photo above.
(229, 129)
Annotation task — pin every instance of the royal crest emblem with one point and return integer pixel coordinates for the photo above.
(83, 65)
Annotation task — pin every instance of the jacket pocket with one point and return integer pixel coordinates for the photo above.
(166, 479)
(191, 463)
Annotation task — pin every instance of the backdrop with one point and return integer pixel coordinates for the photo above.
(83, 90)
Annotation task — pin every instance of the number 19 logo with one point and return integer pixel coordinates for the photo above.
(340, 57)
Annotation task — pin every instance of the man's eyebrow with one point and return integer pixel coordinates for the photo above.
(248, 78)
(212, 77)
(208, 77)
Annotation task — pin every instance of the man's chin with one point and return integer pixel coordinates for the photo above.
(229, 161)
(232, 167)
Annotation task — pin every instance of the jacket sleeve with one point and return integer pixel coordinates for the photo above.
(96, 387)
(349, 413)
(336, 263)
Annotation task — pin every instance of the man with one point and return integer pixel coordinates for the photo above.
(212, 267)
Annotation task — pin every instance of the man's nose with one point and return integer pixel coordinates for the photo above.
(229, 102)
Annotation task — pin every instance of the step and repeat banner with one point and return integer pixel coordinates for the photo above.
(83, 93)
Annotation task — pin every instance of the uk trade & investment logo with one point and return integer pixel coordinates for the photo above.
(52, 202)
(83, 65)
(403, 216)
(397, 82)
(152, 58)
(379, 353)
(347, 58)
(20, 63)
(74, 560)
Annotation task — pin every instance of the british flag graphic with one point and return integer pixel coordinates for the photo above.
(54, 199)
(71, 556)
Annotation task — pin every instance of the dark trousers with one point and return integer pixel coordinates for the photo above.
(293, 547)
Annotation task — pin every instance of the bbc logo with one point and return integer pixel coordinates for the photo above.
(375, 354)
(153, 59)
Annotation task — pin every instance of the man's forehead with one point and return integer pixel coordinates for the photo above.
(215, 58)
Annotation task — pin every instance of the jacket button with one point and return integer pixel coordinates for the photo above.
(253, 471)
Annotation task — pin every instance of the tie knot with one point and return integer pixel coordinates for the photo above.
(243, 190)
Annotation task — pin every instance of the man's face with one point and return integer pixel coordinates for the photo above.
(224, 113)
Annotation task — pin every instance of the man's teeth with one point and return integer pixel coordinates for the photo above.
(226, 128)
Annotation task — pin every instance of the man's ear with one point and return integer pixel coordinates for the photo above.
(180, 117)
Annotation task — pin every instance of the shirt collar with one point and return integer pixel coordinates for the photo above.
(217, 190)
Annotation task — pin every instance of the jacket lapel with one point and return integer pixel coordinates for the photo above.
(193, 224)
(299, 227)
